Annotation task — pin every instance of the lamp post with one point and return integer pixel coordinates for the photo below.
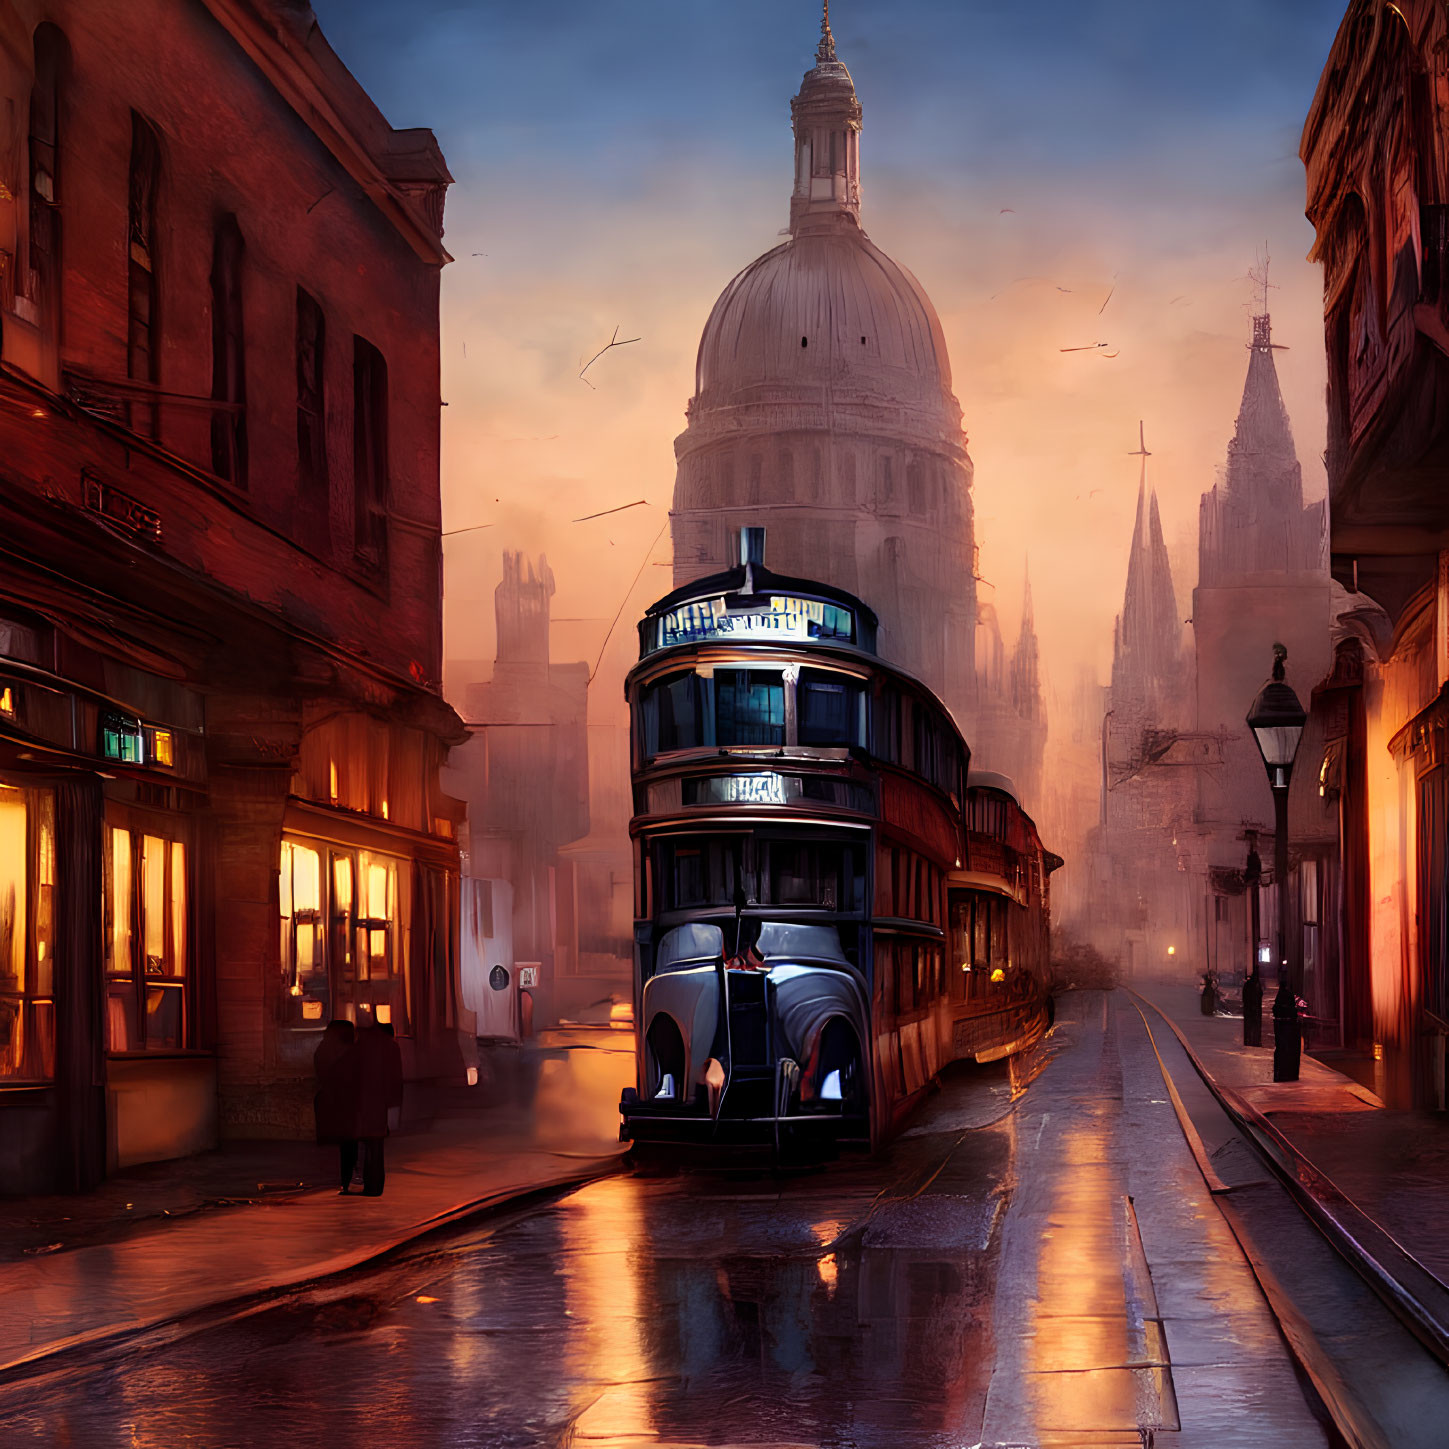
(1276, 720)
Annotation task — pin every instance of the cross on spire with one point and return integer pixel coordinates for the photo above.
(1140, 451)
(826, 49)
(1262, 322)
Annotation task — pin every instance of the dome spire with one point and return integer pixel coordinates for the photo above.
(826, 49)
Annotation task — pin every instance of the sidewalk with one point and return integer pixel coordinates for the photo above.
(1380, 1177)
(173, 1240)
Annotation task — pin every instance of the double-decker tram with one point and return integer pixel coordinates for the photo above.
(829, 908)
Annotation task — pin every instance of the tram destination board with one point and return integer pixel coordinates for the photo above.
(782, 616)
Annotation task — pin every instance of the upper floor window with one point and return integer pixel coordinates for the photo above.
(228, 355)
(143, 321)
(43, 261)
(311, 398)
(369, 449)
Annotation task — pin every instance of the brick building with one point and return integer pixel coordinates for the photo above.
(1376, 149)
(220, 581)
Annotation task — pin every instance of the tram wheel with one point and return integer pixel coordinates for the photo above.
(665, 1057)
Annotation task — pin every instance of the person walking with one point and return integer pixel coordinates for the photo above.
(335, 1062)
(379, 1087)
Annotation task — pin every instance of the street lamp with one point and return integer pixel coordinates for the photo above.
(1276, 720)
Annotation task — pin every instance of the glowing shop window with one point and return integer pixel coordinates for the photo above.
(13, 879)
(27, 881)
(163, 748)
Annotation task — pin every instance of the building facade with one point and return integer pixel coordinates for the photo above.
(823, 409)
(1262, 579)
(1376, 149)
(220, 622)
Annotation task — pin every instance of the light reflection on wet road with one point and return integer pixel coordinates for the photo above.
(854, 1306)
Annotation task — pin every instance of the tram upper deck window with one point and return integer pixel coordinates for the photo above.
(749, 707)
(887, 725)
(829, 709)
(672, 715)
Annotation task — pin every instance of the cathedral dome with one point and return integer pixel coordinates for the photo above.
(826, 307)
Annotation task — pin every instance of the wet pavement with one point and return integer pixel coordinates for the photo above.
(1037, 1261)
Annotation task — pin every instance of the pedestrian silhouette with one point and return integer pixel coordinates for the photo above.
(379, 1087)
(335, 1062)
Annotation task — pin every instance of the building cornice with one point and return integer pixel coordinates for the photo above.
(295, 72)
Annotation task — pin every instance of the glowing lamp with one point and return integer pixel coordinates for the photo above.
(998, 974)
(472, 1076)
(1172, 950)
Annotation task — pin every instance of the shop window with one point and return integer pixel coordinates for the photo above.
(228, 355)
(344, 936)
(369, 449)
(147, 941)
(27, 940)
(143, 351)
(304, 953)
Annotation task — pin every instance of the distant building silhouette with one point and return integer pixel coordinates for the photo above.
(1140, 904)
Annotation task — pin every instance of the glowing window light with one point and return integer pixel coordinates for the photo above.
(7, 701)
(472, 1076)
(163, 748)
(383, 1012)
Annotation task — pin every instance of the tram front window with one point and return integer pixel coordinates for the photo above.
(812, 873)
(699, 873)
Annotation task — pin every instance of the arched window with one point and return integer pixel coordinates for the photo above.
(228, 355)
(143, 353)
(369, 450)
(42, 283)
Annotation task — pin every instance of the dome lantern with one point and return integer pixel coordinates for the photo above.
(826, 120)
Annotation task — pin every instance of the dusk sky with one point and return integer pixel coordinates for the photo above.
(617, 164)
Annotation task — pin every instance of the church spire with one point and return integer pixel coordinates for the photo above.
(1262, 461)
(826, 120)
(1026, 697)
(1149, 633)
